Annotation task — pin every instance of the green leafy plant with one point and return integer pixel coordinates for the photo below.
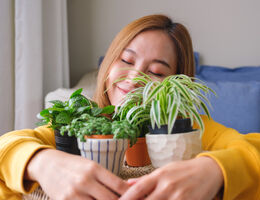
(79, 116)
(62, 113)
(161, 103)
(87, 125)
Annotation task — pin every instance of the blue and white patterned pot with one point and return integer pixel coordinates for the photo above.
(107, 152)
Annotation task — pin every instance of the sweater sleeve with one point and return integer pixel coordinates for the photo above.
(16, 150)
(237, 155)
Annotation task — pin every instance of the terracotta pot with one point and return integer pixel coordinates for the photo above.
(104, 150)
(137, 155)
(99, 136)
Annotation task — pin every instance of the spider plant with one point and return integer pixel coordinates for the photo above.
(131, 108)
(161, 103)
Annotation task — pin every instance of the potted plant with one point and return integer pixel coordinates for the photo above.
(103, 140)
(61, 114)
(132, 110)
(171, 107)
(99, 138)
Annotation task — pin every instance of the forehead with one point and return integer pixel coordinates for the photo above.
(153, 43)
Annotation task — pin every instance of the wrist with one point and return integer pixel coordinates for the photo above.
(34, 169)
(214, 169)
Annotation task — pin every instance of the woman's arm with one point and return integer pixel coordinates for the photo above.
(230, 159)
(30, 155)
(198, 178)
(237, 155)
(16, 150)
(67, 176)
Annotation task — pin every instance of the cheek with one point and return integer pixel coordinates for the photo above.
(113, 75)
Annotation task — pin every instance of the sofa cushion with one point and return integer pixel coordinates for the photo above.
(218, 73)
(238, 91)
(236, 105)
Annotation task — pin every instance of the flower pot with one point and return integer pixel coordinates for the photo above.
(165, 148)
(137, 155)
(107, 152)
(180, 126)
(66, 143)
(99, 136)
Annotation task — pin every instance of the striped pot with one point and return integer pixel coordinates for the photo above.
(109, 153)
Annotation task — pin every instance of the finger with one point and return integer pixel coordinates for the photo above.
(88, 198)
(157, 195)
(75, 196)
(99, 191)
(83, 197)
(132, 181)
(144, 186)
(112, 181)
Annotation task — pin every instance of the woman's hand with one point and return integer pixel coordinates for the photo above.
(199, 178)
(66, 176)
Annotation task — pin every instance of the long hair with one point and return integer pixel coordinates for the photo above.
(177, 32)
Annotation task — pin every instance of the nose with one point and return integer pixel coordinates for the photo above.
(133, 74)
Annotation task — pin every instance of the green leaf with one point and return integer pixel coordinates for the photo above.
(173, 113)
(96, 111)
(63, 118)
(182, 89)
(56, 109)
(146, 90)
(131, 111)
(93, 103)
(140, 80)
(83, 109)
(136, 116)
(76, 93)
(153, 93)
(78, 101)
(198, 119)
(204, 107)
(57, 103)
(41, 123)
(108, 109)
(44, 112)
(156, 112)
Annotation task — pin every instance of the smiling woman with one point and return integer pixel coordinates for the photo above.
(142, 54)
(157, 46)
(153, 45)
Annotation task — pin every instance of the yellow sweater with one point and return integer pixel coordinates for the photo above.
(238, 156)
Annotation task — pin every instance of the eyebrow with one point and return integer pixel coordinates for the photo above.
(154, 61)
(130, 50)
(161, 62)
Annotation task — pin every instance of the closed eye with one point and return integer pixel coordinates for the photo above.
(129, 63)
(155, 74)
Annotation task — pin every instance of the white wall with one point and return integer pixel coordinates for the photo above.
(225, 32)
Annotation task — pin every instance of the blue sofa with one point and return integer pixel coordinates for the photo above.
(237, 104)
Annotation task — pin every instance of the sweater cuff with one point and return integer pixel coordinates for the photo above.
(21, 154)
(233, 168)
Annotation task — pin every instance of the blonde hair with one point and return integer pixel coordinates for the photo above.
(177, 32)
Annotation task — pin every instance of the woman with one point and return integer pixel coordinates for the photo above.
(157, 46)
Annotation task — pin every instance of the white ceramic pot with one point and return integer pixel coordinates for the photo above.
(165, 148)
(107, 152)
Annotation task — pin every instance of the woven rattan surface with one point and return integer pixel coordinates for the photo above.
(125, 173)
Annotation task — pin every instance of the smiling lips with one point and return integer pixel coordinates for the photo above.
(125, 90)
